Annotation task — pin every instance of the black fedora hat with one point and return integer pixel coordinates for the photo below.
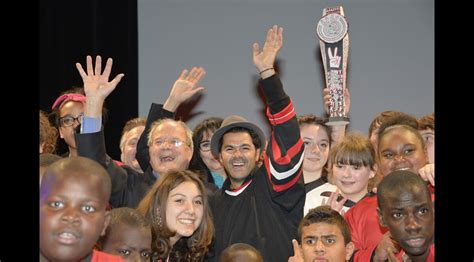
(229, 123)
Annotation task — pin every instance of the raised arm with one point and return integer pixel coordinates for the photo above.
(185, 87)
(264, 59)
(90, 141)
(284, 155)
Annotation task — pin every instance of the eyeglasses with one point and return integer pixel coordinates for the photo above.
(173, 142)
(205, 146)
(69, 120)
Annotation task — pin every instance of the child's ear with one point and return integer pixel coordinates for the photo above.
(380, 216)
(349, 250)
(371, 174)
(374, 170)
(107, 216)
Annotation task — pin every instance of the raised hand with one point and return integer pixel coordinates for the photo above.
(265, 58)
(96, 82)
(298, 256)
(184, 87)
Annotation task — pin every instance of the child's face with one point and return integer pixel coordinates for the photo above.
(184, 210)
(131, 243)
(72, 216)
(410, 219)
(401, 149)
(352, 180)
(324, 242)
(316, 142)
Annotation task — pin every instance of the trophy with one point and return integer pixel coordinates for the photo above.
(334, 43)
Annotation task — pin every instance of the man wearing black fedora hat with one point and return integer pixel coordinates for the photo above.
(261, 205)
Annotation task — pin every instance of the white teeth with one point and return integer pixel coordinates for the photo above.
(186, 221)
(403, 168)
(238, 164)
(67, 235)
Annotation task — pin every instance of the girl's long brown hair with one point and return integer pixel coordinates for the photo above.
(153, 206)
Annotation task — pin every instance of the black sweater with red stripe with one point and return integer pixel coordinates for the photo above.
(266, 210)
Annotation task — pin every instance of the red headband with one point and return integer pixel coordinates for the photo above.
(68, 97)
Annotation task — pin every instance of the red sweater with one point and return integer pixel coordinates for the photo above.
(365, 229)
(99, 256)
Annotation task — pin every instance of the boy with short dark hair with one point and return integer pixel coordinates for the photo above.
(324, 235)
(128, 235)
(74, 194)
(405, 206)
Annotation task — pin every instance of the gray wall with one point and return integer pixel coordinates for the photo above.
(391, 58)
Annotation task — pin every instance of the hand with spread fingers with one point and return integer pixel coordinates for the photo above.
(185, 87)
(264, 58)
(96, 84)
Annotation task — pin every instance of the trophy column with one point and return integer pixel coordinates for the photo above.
(332, 30)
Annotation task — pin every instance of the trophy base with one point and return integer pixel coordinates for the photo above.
(338, 120)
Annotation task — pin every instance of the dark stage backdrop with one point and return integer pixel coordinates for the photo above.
(70, 30)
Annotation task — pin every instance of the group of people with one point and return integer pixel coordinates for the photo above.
(226, 192)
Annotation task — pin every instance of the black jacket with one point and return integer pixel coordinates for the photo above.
(267, 209)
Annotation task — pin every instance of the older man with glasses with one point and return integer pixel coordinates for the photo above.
(166, 144)
(170, 146)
